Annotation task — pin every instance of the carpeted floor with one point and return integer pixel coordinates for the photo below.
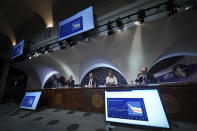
(13, 119)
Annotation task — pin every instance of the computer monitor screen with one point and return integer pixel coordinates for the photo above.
(30, 100)
(76, 24)
(18, 49)
(139, 107)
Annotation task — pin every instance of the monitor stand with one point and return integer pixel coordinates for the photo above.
(110, 127)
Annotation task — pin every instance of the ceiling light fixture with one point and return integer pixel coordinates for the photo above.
(141, 17)
(120, 24)
(109, 28)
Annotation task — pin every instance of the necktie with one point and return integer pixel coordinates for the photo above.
(90, 82)
(145, 79)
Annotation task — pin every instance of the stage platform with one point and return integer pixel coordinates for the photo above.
(179, 100)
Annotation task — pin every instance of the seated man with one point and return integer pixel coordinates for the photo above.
(70, 82)
(92, 82)
(145, 78)
(111, 79)
(62, 81)
(54, 81)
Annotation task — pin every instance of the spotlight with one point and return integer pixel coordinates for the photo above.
(41, 50)
(71, 42)
(140, 17)
(119, 24)
(35, 54)
(47, 49)
(171, 7)
(38, 53)
(85, 37)
(14, 43)
(62, 45)
(29, 55)
(109, 28)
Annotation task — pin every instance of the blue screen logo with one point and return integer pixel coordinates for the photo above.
(71, 27)
(76, 25)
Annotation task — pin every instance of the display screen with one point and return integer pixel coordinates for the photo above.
(30, 100)
(76, 24)
(18, 49)
(139, 107)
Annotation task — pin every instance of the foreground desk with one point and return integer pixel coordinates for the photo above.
(180, 100)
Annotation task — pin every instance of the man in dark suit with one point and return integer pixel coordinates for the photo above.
(70, 83)
(92, 82)
(145, 78)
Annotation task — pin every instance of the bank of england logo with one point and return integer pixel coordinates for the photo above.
(58, 99)
(76, 25)
(97, 101)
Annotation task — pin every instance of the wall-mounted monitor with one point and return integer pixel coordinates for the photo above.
(18, 49)
(76, 24)
(138, 107)
(30, 100)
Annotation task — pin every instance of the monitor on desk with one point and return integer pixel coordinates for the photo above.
(139, 107)
(30, 100)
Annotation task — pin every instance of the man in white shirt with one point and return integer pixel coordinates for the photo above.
(111, 79)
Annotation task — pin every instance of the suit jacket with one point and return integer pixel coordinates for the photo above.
(70, 83)
(94, 82)
(148, 79)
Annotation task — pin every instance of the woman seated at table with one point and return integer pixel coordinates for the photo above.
(111, 79)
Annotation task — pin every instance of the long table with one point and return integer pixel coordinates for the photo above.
(179, 100)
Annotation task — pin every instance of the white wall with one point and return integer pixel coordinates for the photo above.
(128, 51)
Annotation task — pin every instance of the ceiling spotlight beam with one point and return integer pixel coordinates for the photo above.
(119, 24)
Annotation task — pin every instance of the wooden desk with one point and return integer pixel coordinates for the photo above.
(180, 100)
